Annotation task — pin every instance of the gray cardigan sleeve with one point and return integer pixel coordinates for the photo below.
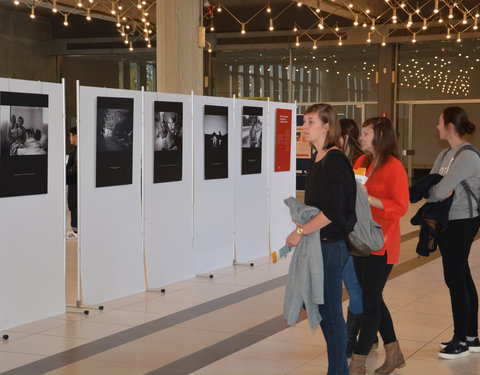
(466, 165)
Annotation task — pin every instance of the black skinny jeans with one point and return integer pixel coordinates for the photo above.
(372, 273)
(455, 248)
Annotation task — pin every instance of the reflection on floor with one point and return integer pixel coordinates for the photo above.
(232, 324)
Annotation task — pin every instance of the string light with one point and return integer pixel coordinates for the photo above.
(450, 13)
(350, 5)
(314, 44)
(409, 23)
(320, 24)
(459, 38)
(299, 4)
(295, 28)
(89, 18)
(118, 21)
(271, 28)
(16, 2)
(436, 7)
(369, 39)
(424, 27)
(54, 9)
(243, 29)
(394, 15)
(373, 24)
(340, 40)
(131, 46)
(212, 28)
(356, 19)
(448, 33)
(65, 22)
(464, 21)
(80, 4)
(32, 15)
(269, 9)
(318, 7)
(383, 42)
(337, 29)
(475, 24)
(297, 41)
(414, 39)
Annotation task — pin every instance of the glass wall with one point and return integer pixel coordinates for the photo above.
(439, 70)
(329, 74)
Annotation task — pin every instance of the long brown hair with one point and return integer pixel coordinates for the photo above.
(326, 113)
(384, 140)
(350, 128)
(459, 118)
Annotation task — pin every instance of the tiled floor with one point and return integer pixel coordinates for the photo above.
(232, 324)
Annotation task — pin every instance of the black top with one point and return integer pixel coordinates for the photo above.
(331, 187)
(72, 167)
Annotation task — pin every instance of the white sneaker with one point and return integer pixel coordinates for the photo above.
(72, 235)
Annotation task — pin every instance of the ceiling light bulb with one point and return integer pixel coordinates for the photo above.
(80, 4)
(212, 28)
(219, 8)
(118, 21)
(32, 15)
(409, 20)
(373, 25)
(120, 7)
(340, 40)
(440, 20)
(139, 5)
(314, 44)
(356, 19)
(459, 38)
(464, 21)
(297, 41)
(88, 15)
(350, 5)
(128, 27)
(209, 49)
(475, 24)
(450, 13)
(271, 28)
(65, 22)
(320, 24)
(16, 2)
(337, 28)
(243, 29)
(369, 39)
(299, 4)
(126, 40)
(436, 7)
(424, 27)
(295, 29)
(414, 39)
(149, 45)
(402, 5)
(364, 24)
(448, 33)
(383, 42)
(131, 47)
(144, 2)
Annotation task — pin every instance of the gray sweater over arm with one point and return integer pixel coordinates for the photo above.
(466, 166)
(305, 275)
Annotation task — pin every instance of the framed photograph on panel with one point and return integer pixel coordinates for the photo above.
(23, 144)
(252, 126)
(215, 130)
(167, 141)
(114, 141)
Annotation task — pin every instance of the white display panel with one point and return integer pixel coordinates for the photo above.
(251, 190)
(110, 244)
(168, 205)
(32, 257)
(213, 199)
(281, 184)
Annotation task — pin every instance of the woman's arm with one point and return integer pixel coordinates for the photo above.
(317, 222)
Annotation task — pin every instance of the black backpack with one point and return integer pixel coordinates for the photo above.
(470, 194)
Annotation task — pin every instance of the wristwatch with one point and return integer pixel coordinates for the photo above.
(300, 231)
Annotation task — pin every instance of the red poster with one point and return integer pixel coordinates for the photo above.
(283, 140)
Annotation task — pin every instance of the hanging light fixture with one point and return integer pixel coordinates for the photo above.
(65, 22)
(89, 18)
(271, 28)
(297, 41)
(32, 14)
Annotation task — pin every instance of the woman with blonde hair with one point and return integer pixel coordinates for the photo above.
(330, 186)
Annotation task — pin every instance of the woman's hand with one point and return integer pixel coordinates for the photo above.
(293, 239)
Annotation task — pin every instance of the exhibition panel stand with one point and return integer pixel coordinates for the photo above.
(252, 128)
(281, 171)
(213, 218)
(110, 221)
(32, 191)
(168, 181)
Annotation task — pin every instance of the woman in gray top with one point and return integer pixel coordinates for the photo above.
(459, 168)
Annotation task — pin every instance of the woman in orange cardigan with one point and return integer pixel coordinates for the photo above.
(387, 190)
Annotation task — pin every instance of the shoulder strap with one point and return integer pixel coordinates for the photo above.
(444, 154)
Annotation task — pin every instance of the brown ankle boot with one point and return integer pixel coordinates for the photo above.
(357, 364)
(393, 359)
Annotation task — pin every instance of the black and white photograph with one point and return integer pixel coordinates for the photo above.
(23, 144)
(252, 130)
(114, 141)
(215, 130)
(167, 141)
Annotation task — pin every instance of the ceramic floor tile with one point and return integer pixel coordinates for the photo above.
(10, 361)
(94, 367)
(308, 369)
(300, 335)
(235, 365)
(39, 326)
(125, 317)
(86, 330)
(42, 344)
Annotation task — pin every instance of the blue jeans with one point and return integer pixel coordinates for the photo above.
(335, 256)
(353, 287)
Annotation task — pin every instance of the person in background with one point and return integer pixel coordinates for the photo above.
(463, 224)
(352, 149)
(72, 183)
(388, 195)
(331, 187)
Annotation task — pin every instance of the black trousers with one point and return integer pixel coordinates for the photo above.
(372, 273)
(72, 204)
(455, 247)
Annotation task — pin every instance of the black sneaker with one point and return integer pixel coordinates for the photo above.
(454, 350)
(473, 345)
